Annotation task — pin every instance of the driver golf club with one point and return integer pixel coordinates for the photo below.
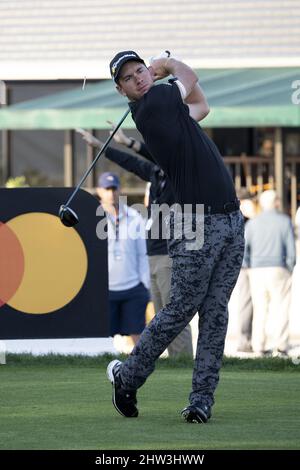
(67, 216)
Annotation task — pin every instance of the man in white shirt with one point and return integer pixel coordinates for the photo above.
(128, 268)
(270, 256)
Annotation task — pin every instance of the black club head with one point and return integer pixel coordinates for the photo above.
(67, 216)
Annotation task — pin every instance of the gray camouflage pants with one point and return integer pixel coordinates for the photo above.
(202, 280)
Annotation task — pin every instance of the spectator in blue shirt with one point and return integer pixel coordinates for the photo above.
(128, 268)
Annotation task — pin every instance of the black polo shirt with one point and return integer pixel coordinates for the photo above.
(181, 148)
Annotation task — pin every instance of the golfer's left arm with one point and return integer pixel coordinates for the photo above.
(191, 92)
(197, 103)
(187, 83)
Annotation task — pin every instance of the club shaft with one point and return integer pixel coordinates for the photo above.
(101, 151)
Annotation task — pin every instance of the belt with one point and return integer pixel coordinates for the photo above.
(208, 209)
(222, 209)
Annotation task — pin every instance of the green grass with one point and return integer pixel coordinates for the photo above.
(65, 403)
(232, 363)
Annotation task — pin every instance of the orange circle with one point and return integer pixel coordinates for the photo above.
(55, 263)
(11, 263)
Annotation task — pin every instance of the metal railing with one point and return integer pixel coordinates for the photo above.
(257, 174)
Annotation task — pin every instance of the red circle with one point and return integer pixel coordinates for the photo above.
(11, 263)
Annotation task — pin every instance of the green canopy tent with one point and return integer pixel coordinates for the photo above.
(257, 97)
(237, 98)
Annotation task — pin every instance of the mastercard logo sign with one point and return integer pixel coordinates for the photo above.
(53, 279)
(43, 264)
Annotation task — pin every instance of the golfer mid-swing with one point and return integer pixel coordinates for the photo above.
(203, 277)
